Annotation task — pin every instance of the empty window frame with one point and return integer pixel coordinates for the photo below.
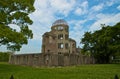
(60, 45)
(60, 36)
(60, 28)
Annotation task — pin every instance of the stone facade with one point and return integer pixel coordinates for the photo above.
(57, 50)
(57, 40)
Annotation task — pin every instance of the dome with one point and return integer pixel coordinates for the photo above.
(59, 22)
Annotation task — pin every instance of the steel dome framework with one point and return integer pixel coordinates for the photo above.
(60, 22)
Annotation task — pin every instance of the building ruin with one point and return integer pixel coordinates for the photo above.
(57, 41)
(57, 50)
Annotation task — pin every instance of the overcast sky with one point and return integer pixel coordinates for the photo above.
(81, 16)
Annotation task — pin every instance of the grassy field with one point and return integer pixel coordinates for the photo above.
(101, 71)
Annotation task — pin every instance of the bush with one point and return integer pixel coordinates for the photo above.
(4, 56)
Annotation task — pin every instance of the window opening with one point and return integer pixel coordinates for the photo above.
(60, 36)
(60, 28)
(60, 45)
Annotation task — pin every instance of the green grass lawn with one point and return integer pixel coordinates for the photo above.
(101, 71)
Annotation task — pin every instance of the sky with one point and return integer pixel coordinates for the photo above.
(81, 16)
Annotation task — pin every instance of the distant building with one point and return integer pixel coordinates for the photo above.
(57, 49)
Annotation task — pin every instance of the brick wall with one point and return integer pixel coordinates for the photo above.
(47, 59)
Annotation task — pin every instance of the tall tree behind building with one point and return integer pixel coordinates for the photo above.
(103, 43)
(15, 12)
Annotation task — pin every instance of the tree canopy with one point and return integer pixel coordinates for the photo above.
(103, 43)
(15, 12)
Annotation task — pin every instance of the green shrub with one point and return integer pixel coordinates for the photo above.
(4, 56)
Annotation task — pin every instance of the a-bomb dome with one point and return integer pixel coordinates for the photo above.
(59, 22)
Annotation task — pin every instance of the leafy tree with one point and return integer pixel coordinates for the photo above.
(15, 12)
(103, 43)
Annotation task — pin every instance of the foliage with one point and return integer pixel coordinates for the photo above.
(15, 12)
(4, 56)
(103, 71)
(103, 43)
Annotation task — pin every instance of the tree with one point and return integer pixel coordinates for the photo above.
(103, 43)
(15, 12)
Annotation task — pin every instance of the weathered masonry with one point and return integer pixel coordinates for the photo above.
(57, 50)
(57, 41)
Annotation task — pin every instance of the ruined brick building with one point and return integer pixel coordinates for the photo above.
(57, 41)
(57, 49)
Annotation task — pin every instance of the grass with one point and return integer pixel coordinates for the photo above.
(101, 71)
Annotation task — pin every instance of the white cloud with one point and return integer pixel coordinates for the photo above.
(111, 2)
(42, 18)
(77, 35)
(77, 30)
(62, 6)
(118, 7)
(108, 19)
(78, 11)
(97, 7)
(15, 27)
(84, 4)
(82, 9)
